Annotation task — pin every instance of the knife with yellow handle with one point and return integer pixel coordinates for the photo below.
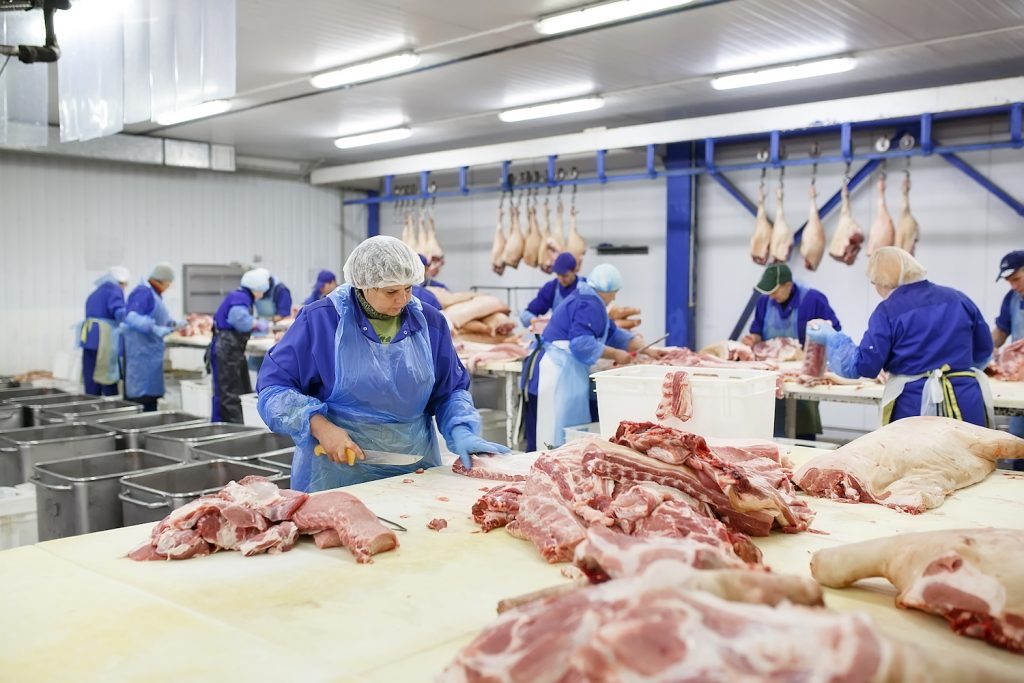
(374, 457)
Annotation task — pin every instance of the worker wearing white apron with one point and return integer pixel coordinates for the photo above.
(932, 341)
(783, 310)
(579, 333)
(1010, 322)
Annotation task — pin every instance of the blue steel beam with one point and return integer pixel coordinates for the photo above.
(735, 192)
(372, 216)
(679, 246)
(983, 180)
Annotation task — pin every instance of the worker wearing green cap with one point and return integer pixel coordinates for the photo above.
(783, 311)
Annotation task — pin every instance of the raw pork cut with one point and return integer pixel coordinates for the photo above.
(848, 236)
(496, 467)
(498, 506)
(906, 228)
(496, 352)
(477, 308)
(515, 244)
(437, 524)
(575, 244)
(432, 248)
(882, 232)
(499, 324)
(279, 538)
(447, 298)
(750, 497)
(531, 248)
(972, 577)
(782, 234)
(676, 397)
(812, 240)
(498, 246)
(729, 350)
(815, 359)
(359, 529)
(658, 628)
(910, 464)
(1010, 365)
(761, 242)
(779, 350)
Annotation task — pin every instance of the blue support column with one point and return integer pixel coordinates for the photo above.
(680, 258)
(372, 215)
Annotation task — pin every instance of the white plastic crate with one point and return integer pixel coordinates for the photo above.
(190, 358)
(726, 402)
(577, 432)
(197, 397)
(250, 415)
(18, 516)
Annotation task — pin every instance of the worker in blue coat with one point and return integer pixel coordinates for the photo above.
(932, 341)
(1010, 323)
(557, 379)
(369, 367)
(276, 302)
(146, 323)
(233, 323)
(101, 333)
(326, 281)
(783, 311)
(424, 294)
(554, 291)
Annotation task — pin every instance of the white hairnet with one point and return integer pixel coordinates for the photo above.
(120, 273)
(383, 261)
(605, 278)
(257, 280)
(891, 267)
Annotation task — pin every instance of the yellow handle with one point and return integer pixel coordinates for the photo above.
(350, 454)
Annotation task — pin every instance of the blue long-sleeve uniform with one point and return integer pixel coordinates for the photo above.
(809, 304)
(281, 297)
(235, 311)
(107, 302)
(426, 296)
(919, 328)
(549, 297)
(1008, 310)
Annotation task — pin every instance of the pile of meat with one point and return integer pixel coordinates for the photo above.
(475, 317)
(1009, 366)
(972, 577)
(475, 353)
(910, 464)
(197, 325)
(624, 317)
(649, 481)
(254, 516)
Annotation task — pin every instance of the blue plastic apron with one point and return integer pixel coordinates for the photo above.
(144, 355)
(1017, 330)
(775, 325)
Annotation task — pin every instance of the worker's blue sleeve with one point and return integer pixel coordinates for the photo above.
(240, 319)
(541, 303)
(815, 306)
(115, 303)
(1005, 319)
(450, 401)
(282, 301)
(139, 309)
(981, 336)
(426, 296)
(617, 337)
(587, 329)
(847, 359)
(757, 324)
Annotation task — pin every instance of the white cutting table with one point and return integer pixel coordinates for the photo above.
(77, 610)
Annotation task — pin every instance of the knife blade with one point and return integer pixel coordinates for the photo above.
(659, 339)
(378, 457)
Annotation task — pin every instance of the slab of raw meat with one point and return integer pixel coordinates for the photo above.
(496, 352)
(782, 235)
(676, 397)
(328, 538)
(673, 519)
(264, 497)
(750, 499)
(279, 538)
(498, 506)
(477, 308)
(728, 350)
(644, 630)
(733, 452)
(848, 237)
(972, 577)
(761, 240)
(516, 242)
(910, 464)
(906, 228)
(358, 528)
(495, 467)
(812, 242)
(448, 298)
(437, 524)
(882, 232)
(815, 359)
(779, 350)
(1010, 364)
(497, 247)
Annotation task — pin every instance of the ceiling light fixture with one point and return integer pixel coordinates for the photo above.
(200, 111)
(540, 111)
(366, 71)
(602, 14)
(389, 135)
(821, 67)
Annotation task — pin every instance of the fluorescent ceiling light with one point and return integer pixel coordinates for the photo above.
(389, 135)
(366, 70)
(602, 14)
(552, 109)
(199, 111)
(784, 73)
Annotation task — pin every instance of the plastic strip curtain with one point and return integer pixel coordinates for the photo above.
(138, 92)
(90, 71)
(24, 95)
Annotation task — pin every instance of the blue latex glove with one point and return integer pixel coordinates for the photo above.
(820, 331)
(162, 330)
(262, 326)
(465, 443)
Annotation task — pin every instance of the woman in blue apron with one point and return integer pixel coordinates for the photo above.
(233, 323)
(578, 335)
(146, 323)
(101, 334)
(369, 367)
(783, 311)
(554, 291)
(326, 281)
(1010, 323)
(276, 302)
(932, 341)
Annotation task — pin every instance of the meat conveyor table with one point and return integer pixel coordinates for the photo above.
(80, 611)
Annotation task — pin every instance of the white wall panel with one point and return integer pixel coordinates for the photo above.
(64, 221)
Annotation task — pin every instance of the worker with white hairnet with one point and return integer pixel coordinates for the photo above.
(233, 323)
(369, 367)
(101, 333)
(556, 378)
(146, 323)
(932, 341)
